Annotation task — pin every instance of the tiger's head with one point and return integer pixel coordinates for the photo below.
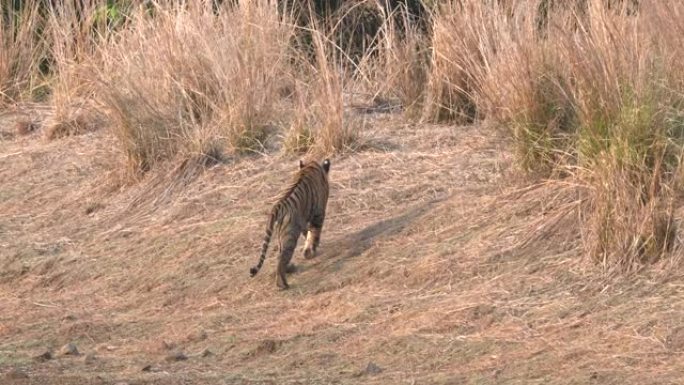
(325, 165)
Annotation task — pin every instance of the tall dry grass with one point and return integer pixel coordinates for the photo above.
(22, 50)
(465, 36)
(186, 79)
(75, 31)
(334, 133)
(323, 74)
(393, 70)
(523, 84)
(629, 96)
(595, 91)
(404, 57)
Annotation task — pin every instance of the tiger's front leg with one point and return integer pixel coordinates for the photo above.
(313, 237)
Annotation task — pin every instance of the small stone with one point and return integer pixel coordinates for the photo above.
(180, 356)
(44, 356)
(16, 374)
(70, 349)
(372, 369)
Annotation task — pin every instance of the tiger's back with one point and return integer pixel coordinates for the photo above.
(299, 210)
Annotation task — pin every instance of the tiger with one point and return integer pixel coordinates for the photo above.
(298, 211)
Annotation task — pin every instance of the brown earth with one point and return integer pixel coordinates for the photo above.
(438, 265)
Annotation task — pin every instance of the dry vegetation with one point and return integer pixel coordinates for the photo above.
(593, 90)
(517, 222)
(21, 51)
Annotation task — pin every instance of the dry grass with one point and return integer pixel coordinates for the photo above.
(461, 31)
(322, 75)
(25, 126)
(628, 100)
(594, 86)
(523, 86)
(409, 277)
(585, 89)
(217, 83)
(21, 52)
(393, 73)
(70, 120)
(404, 61)
(300, 135)
(188, 81)
(434, 266)
(333, 133)
(75, 32)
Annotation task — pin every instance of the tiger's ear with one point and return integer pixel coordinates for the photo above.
(326, 165)
(301, 164)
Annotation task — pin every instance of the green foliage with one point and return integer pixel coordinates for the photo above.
(112, 14)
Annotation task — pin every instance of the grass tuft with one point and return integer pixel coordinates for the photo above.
(187, 78)
(22, 51)
(592, 89)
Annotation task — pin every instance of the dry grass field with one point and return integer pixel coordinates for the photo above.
(488, 223)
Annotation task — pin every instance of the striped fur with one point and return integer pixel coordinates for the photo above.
(300, 210)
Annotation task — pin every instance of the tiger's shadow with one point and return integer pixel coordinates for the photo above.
(334, 253)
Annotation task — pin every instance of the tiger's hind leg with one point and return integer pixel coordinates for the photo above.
(288, 247)
(291, 268)
(313, 238)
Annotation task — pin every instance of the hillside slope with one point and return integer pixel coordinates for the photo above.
(435, 267)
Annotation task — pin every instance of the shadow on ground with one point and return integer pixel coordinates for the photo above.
(343, 249)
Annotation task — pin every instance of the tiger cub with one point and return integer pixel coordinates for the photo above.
(300, 210)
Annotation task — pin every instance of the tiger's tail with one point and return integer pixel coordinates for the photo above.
(267, 239)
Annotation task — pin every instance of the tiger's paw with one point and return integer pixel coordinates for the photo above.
(309, 253)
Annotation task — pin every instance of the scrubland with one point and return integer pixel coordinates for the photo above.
(505, 192)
